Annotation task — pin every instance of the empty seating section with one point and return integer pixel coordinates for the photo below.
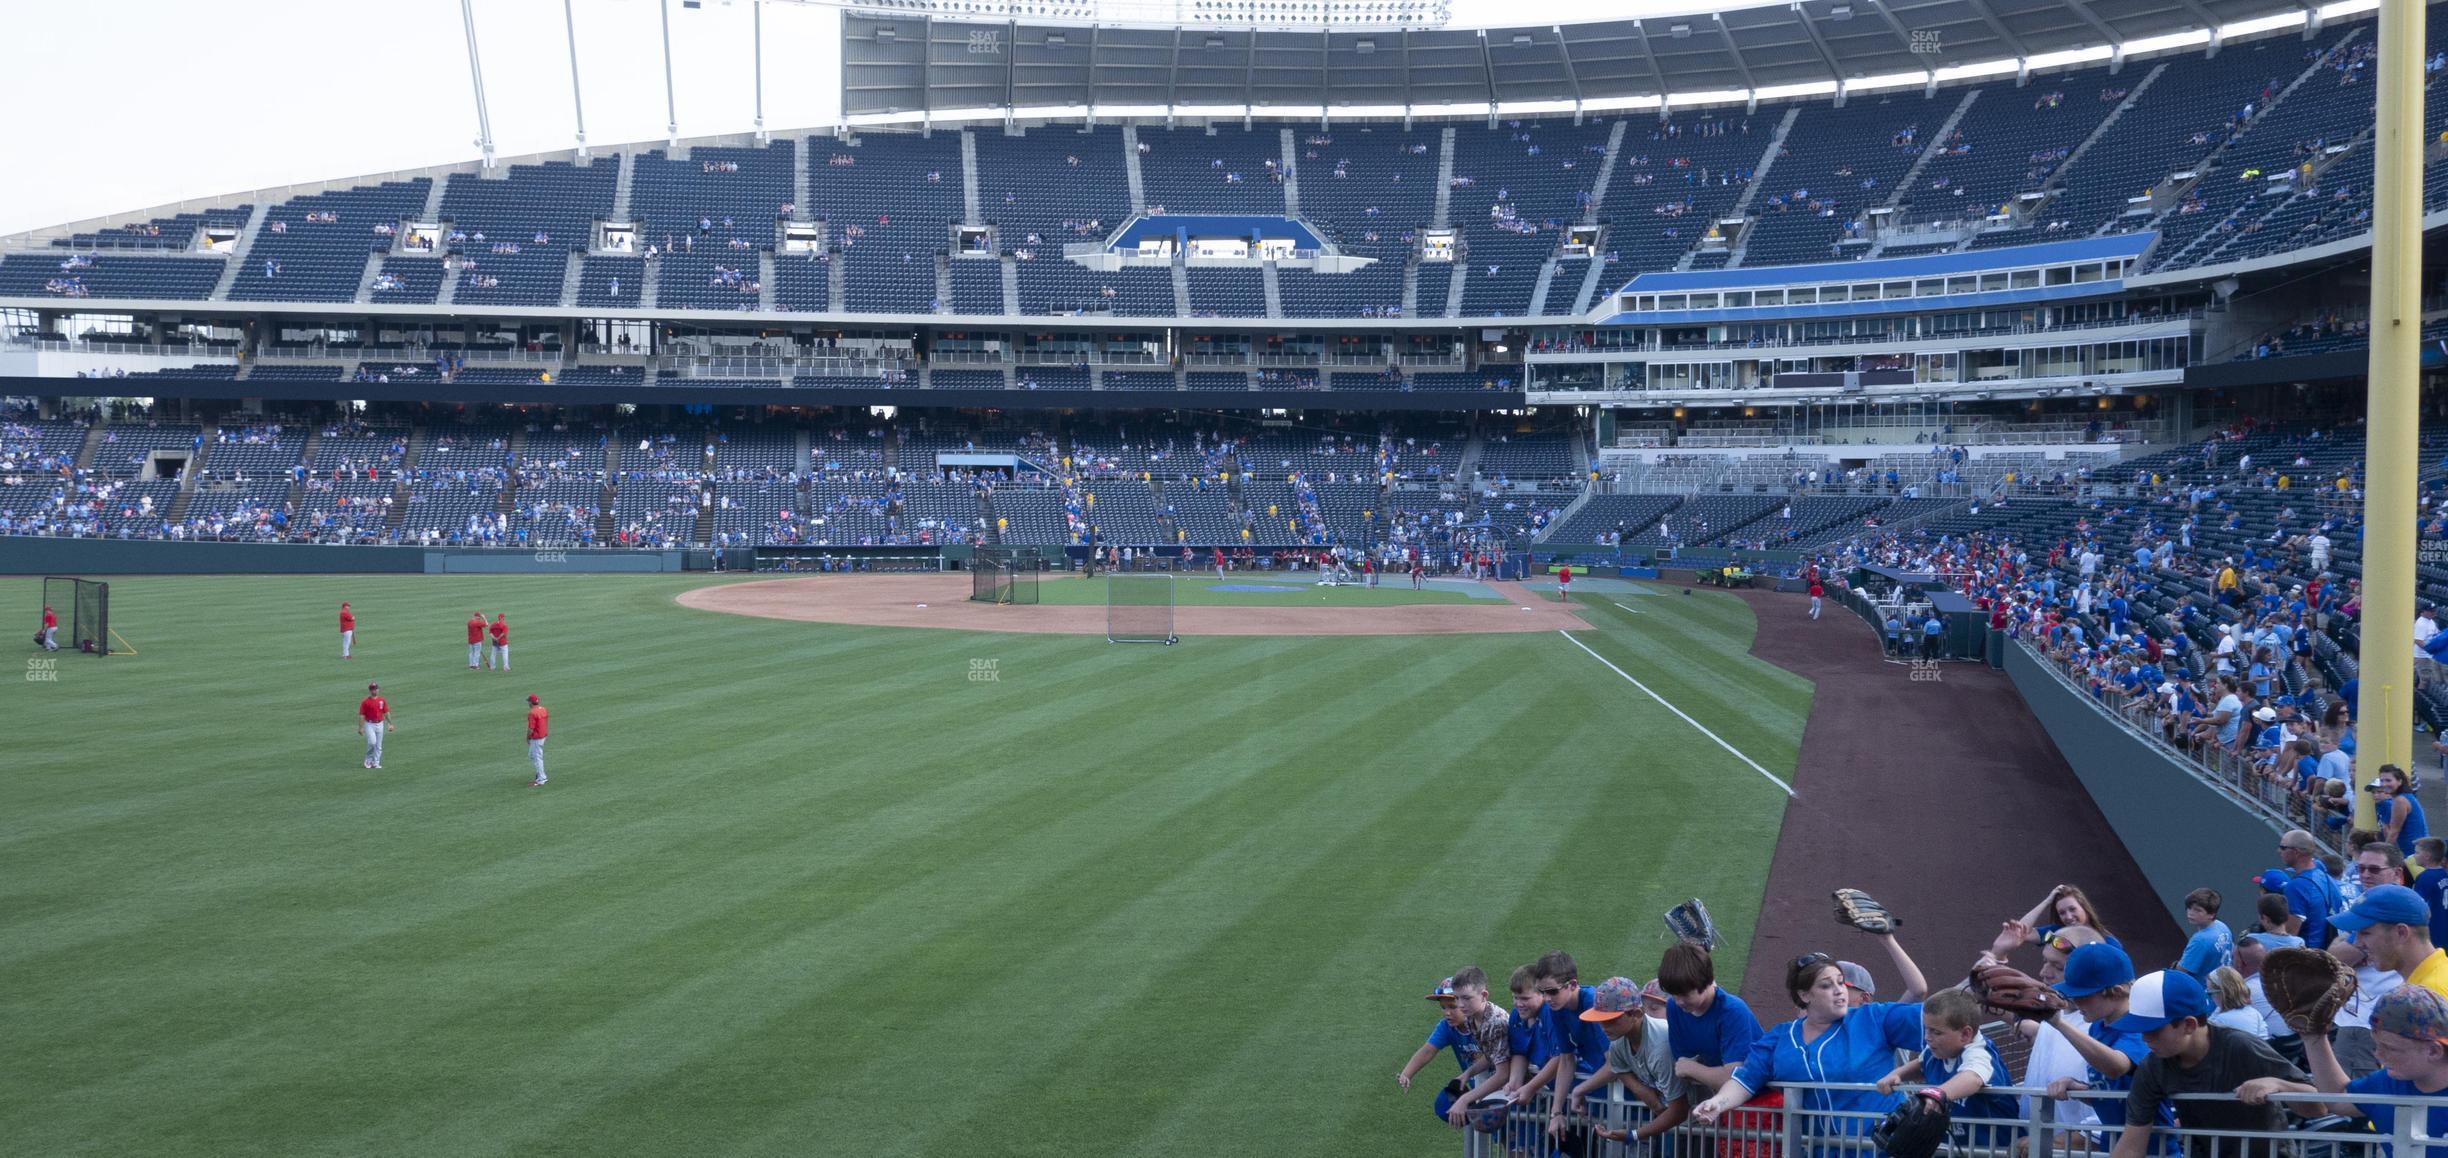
(1142, 380)
(1217, 380)
(977, 286)
(161, 233)
(520, 229)
(891, 202)
(1234, 170)
(314, 248)
(888, 199)
(1229, 293)
(611, 281)
(1435, 284)
(683, 204)
(940, 509)
(1517, 186)
(1528, 456)
(803, 283)
(1672, 181)
(382, 451)
(1031, 516)
(1051, 378)
(1636, 515)
(1373, 290)
(1055, 185)
(1070, 289)
(2330, 107)
(44, 273)
(127, 447)
(1124, 511)
(262, 373)
(2010, 141)
(967, 379)
(1837, 164)
(1371, 186)
(2170, 128)
(419, 278)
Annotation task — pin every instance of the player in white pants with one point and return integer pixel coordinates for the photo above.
(374, 715)
(538, 726)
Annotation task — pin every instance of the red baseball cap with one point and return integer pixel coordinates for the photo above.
(532, 700)
(373, 687)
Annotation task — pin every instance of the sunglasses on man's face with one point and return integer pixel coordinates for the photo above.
(1555, 990)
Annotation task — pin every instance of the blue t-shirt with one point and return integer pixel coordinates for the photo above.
(2210, 947)
(2310, 894)
(2433, 885)
(1723, 1034)
(1531, 1040)
(1445, 1036)
(2415, 828)
(2112, 1110)
(2384, 1116)
(1988, 1103)
(1586, 1039)
(1859, 1047)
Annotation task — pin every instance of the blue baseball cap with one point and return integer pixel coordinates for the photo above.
(2093, 967)
(2384, 905)
(2160, 998)
(2272, 880)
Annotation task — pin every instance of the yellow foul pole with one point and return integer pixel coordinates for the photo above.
(2386, 709)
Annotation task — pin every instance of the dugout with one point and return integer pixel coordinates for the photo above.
(808, 560)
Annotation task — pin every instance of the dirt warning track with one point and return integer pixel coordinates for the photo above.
(942, 601)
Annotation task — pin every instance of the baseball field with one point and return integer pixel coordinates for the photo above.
(804, 887)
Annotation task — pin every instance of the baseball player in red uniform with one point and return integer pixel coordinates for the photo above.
(537, 720)
(374, 715)
(50, 630)
(1564, 582)
(348, 630)
(476, 634)
(501, 639)
(1815, 592)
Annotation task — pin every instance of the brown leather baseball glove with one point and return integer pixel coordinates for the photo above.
(2007, 989)
(2307, 987)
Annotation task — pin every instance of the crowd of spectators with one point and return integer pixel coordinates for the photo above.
(1573, 1061)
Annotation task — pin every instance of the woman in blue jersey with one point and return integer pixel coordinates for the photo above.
(1831, 1042)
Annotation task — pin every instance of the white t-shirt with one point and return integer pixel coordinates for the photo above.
(2053, 1057)
(2424, 629)
(2245, 1020)
(2272, 1025)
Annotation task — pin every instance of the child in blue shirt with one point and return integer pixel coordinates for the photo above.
(2211, 945)
(1478, 1032)
(1958, 1066)
(2410, 1024)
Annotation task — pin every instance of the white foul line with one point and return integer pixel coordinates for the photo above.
(1772, 779)
(1625, 608)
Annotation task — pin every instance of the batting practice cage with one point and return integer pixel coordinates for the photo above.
(1139, 608)
(83, 607)
(1003, 575)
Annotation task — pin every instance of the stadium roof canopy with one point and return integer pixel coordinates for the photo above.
(929, 64)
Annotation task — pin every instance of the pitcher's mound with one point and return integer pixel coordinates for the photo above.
(942, 600)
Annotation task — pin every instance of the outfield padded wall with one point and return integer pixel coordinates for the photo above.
(2183, 832)
(23, 555)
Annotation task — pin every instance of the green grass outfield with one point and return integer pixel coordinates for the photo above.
(1302, 590)
(805, 889)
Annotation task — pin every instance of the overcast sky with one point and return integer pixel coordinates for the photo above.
(181, 100)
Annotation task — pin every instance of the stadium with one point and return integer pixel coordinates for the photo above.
(1155, 535)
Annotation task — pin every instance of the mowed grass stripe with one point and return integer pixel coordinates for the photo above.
(937, 917)
(797, 869)
(542, 875)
